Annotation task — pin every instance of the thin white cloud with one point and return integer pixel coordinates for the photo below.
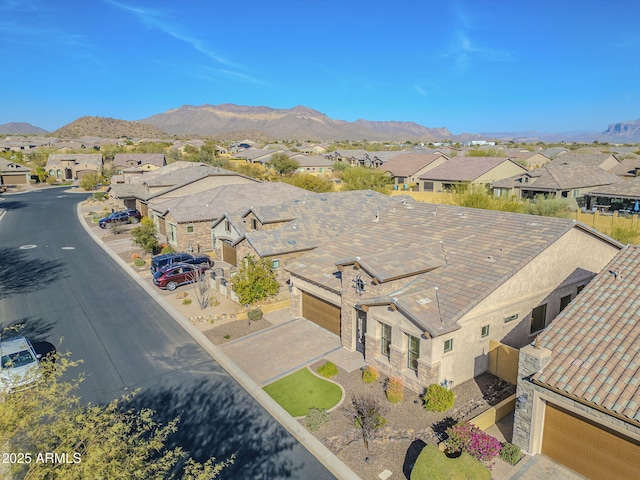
(157, 19)
(17, 6)
(30, 35)
(421, 91)
(465, 52)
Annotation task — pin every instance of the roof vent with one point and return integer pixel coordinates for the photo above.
(423, 301)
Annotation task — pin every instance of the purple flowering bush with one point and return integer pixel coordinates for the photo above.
(467, 437)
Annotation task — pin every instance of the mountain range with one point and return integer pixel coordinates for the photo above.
(229, 121)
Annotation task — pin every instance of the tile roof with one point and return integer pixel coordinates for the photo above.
(125, 159)
(559, 176)
(314, 161)
(7, 166)
(481, 249)
(464, 169)
(315, 219)
(84, 159)
(405, 165)
(623, 189)
(595, 341)
(588, 159)
(214, 203)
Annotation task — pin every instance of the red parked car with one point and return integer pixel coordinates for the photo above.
(174, 275)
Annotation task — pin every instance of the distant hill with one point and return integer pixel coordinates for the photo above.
(622, 132)
(108, 128)
(300, 123)
(21, 128)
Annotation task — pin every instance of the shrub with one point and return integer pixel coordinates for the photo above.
(369, 374)
(316, 418)
(227, 336)
(167, 249)
(510, 453)
(139, 262)
(100, 196)
(438, 399)
(135, 256)
(467, 437)
(144, 235)
(254, 315)
(50, 180)
(394, 389)
(328, 370)
(186, 301)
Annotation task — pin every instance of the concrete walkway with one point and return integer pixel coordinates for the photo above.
(289, 345)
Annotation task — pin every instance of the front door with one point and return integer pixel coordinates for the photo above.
(361, 330)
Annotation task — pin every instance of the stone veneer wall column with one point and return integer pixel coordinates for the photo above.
(531, 360)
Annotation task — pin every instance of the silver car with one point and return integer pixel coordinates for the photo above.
(20, 365)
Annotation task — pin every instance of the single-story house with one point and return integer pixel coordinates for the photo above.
(186, 220)
(458, 171)
(407, 168)
(421, 290)
(138, 161)
(287, 231)
(12, 173)
(606, 161)
(578, 393)
(561, 179)
(173, 181)
(73, 166)
(621, 196)
(316, 165)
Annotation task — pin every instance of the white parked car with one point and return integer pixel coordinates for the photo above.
(20, 365)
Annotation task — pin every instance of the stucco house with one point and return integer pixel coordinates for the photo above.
(316, 165)
(172, 181)
(407, 168)
(606, 161)
(287, 231)
(578, 393)
(73, 166)
(458, 171)
(570, 181)
(421, 290)
(12, 173)
(138, 161)
(186, 220)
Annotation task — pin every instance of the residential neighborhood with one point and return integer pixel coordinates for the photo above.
(424, 292)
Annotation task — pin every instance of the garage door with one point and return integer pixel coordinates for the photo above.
(229, 254)
(321, 312)
(587, 448)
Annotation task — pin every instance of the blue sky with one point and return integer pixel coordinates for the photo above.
(468, 65)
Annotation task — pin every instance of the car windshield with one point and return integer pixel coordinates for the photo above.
(17, 359)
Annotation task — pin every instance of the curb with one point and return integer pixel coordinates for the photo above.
(310, 442)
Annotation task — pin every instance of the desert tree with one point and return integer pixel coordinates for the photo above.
(144, 236)
(89, 441)
(255, 280)
(367, 414)
(283, 164)
(201, 287)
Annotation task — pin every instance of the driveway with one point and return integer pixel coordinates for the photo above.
(289, 345)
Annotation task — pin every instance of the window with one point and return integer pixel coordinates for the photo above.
(564, 301)
(576, 193)
(321, 170)
(580, 288)
(413, 352)
(172, 236)
(254, 224)
(538, 318)
(275, 264)
(485, 331)
(428, 186)
(191, 228)
(448, 345)
(511, 318)
(227, 226)
(565, 194)
(385, 343)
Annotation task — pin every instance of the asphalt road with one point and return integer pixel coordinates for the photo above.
(57, 283)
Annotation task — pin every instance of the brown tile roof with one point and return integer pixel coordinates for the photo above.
(595, 341)
(624, 189)
(587, 159)
(481, 250)
(315, 219)
(560, 176)
(464, 169)
(132, 159)
(214, 203)
(405, 165)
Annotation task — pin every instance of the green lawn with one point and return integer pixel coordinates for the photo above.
(433, 464)
(298, 392)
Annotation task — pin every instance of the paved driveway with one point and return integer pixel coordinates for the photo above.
(290, 344)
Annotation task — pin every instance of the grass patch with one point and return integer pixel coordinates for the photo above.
(435, 465)
(302, 390)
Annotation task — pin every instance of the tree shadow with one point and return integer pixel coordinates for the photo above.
(11, 204)
(36, 329)
(411, 456)
(21, 275)
(219, 419)
(440, 428)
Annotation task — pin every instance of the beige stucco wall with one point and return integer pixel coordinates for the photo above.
(505, 170)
